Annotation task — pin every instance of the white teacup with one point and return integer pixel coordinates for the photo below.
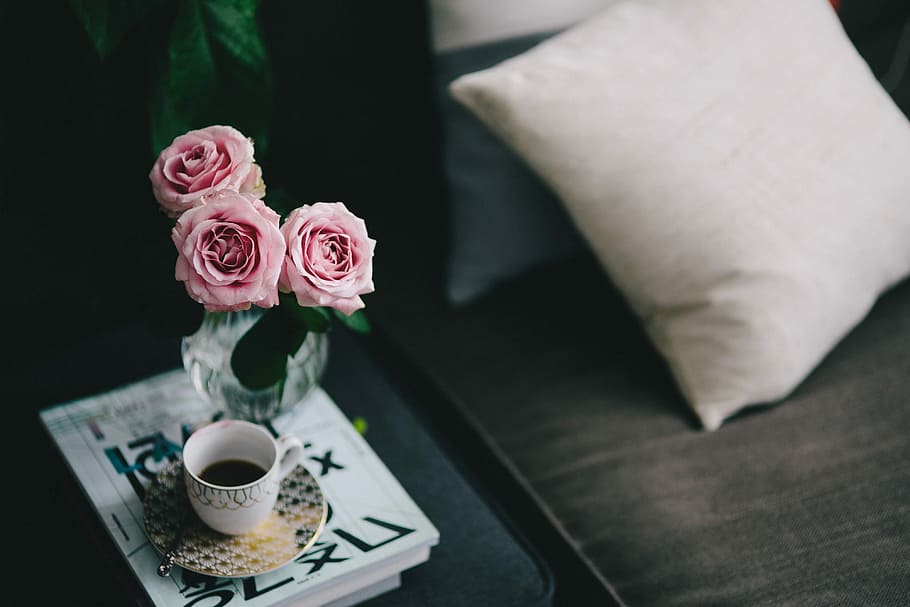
(233, 470)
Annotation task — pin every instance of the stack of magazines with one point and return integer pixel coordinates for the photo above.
(116, 444)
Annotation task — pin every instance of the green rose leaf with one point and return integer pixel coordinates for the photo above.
(261, 355)
(191, 83)
(357, 321)
(232, 24)
(108, 21)
(315, 319)
(215, 71)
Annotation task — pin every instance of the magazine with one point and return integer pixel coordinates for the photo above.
(116, 443)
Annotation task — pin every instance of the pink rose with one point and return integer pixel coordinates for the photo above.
(329, 259)
(199, 163)
(229, 253)
(253, 184)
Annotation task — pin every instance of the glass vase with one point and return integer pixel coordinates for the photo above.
(207, 359)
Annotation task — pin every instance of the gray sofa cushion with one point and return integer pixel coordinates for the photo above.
(503, 219)
(806, 503)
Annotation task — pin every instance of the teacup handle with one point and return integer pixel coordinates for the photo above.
(290, 452)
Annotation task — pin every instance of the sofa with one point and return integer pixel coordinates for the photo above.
(799, 500)
(504, 318)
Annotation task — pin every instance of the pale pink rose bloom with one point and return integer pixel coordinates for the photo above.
(253, 184)
(229, 252)
(200, 163)
(329, 259)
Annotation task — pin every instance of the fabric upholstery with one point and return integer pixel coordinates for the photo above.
(795, 505)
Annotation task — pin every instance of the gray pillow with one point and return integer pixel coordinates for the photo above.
(504, 220)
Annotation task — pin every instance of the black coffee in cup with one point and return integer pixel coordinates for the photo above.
(232, 472)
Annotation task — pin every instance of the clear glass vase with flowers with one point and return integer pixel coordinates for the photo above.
(270, 286)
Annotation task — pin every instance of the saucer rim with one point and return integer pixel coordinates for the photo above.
(307, 546)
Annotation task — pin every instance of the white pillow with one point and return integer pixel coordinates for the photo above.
(735, 166)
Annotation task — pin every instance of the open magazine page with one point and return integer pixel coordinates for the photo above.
(115, 443)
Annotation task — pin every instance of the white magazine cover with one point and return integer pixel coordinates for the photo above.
(116, 443)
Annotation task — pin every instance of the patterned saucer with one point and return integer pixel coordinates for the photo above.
(290, 529)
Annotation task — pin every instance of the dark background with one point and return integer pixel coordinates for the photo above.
(89, 251)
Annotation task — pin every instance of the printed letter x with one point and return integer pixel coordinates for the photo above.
(326, 462)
